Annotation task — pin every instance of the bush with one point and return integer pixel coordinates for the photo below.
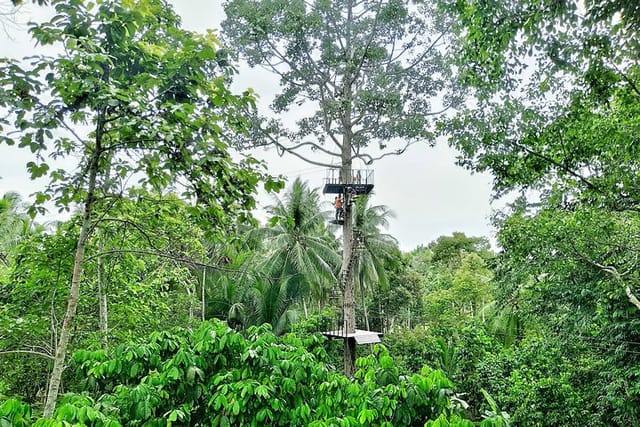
(216, 376)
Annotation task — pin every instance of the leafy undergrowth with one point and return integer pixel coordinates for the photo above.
(216, 376)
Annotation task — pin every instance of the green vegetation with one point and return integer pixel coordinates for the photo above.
(161, 301)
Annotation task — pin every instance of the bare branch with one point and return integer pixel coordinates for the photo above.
(419, 59)
(298, 155)
(613, 271)
(35, 353)
(313, 146)
(368, 159)
(291, 150)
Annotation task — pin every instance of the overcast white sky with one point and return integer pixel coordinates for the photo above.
(429, 194)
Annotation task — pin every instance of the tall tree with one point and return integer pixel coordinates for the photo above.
(565, 119)
(558, 102)
(131, 95)
(370, 72)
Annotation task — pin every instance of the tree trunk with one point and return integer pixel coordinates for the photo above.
(364, 299)
(74, 291)
(202, 293)
(349, 307)
(103, 314)
(191, 296)
(346, 274)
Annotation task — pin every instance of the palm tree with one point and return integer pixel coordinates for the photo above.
(290, 261)
(301, 252)
(14, 223)
(272, 303)
(376, 250)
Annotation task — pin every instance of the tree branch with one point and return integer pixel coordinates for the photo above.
(36, 353)
(627, 79)
(280, 146)
(374, 30)
(314, 146)
(131, 223)
(300, 156)
(368, 159)
(557, 164)
(613, 271)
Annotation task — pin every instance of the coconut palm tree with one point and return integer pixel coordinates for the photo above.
(291, 261)
(377, 251)
(301, 252)
(14, 223)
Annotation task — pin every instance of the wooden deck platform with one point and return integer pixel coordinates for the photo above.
(360, 336)
(332, 188)
(360, 182)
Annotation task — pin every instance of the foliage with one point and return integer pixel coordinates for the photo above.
(130, 95)
(457, 282)
(379, 251)
(31, 301)
(449, 250)
(412, 348)
(343, 57)
(556, 111)
(299, 248)
(139, 255)
(140, 259)
(216, 376)
(14, 224)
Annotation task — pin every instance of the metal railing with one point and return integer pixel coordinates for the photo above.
(358, 176)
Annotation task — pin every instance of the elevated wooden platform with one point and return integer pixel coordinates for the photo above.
(347, 188)
(360, 336)
(361, 182)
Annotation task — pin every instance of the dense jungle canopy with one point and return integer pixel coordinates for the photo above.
(162, 301)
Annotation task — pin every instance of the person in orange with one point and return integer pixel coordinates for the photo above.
(338, 204)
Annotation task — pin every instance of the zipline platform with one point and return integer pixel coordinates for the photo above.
(361, 182)
(360, 336)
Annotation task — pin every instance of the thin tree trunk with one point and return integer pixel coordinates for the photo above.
(364, 300)
(103, 314)
(190, 296)
(409, 317)
(74, 291)
(202, 302)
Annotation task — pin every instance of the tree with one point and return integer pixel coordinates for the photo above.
(32, 299)
(557, 99)
(299, 248)
(136, 280)
(450, 250)
(145, 247)
(457, 280)
(557, 112)
(376, 252)
(372, 73)
(132, 95)
(14, 223)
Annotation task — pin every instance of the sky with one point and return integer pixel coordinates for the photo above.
(428, 193)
